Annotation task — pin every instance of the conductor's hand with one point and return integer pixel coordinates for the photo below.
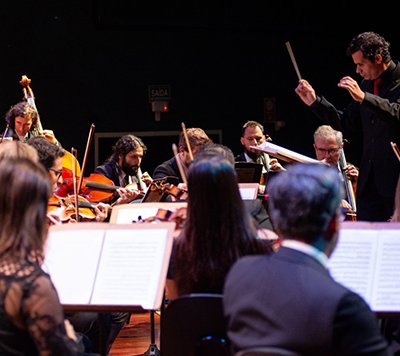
(353, 88)
(306, 92)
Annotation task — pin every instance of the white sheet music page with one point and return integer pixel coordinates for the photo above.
(386, 293)
(354, 261)
(366, 260)
(133, 266)
(71, 260)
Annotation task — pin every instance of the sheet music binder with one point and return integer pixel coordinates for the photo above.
(366, 260)
(109, 266)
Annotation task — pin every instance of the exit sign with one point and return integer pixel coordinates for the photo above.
(159, 93)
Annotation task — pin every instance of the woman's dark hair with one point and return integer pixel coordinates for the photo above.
(23, 208)
(218, 229)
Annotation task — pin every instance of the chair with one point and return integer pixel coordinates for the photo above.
(194, 325)
(266, 351)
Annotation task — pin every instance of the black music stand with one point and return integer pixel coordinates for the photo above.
(248, 172)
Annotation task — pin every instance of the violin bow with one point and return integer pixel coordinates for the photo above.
(74, 154)
(88, 143)
(187, 141)
(30, 98)
(179, 163)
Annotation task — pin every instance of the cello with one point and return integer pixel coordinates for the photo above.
(69, 161)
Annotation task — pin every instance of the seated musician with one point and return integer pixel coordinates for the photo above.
(170, 168)
(23, 123)
(327, 144)
(85, 322)
(123, 168)
(253, 135)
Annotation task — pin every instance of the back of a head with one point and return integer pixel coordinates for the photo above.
(17, 149)
(215, 150)
(303, 199)
(23, 206)
(196, 136)
(48, 152)
(211, 177)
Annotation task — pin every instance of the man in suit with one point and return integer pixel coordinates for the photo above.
(288, 299)
(373, 112)
(253, 135)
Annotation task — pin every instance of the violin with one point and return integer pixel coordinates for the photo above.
(63, 209)
(165, 215)
(95, 188)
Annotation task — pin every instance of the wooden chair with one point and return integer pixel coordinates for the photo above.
(194, 325)
(266, 351)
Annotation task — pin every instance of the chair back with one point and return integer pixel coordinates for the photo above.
(194, 325)
(266, 351)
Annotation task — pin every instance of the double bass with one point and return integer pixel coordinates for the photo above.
(69, 161)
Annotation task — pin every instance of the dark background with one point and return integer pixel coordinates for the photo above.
(92, 62)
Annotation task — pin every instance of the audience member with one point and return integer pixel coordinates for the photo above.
(288, 299)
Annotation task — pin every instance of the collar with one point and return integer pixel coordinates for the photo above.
(308, 250)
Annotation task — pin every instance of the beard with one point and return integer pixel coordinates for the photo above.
(253, 155)
(129, 170)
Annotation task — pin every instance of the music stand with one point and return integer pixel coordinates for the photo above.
(248, 172)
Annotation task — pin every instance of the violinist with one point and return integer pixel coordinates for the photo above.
(196, 138)
(328, 144)
(86, 322)
(123, 168)
(253, 135)
(50, 156)
(22, 123)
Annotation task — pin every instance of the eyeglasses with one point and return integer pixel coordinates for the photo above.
(330, 151)
(57, 172)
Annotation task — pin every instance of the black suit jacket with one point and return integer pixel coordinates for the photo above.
(289, 300)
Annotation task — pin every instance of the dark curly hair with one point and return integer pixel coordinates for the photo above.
(23, 109)
(370, 44)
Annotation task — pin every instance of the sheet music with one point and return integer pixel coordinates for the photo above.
(109, 264)
(283, 153)
(366, 260)
(71, 267)
(128, 268)
(248, 191)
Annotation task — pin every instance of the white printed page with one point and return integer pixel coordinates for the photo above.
(133, 267)
(128, 216)
(71, 260)
(353, 262)
(247, 193)
(386, 293)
